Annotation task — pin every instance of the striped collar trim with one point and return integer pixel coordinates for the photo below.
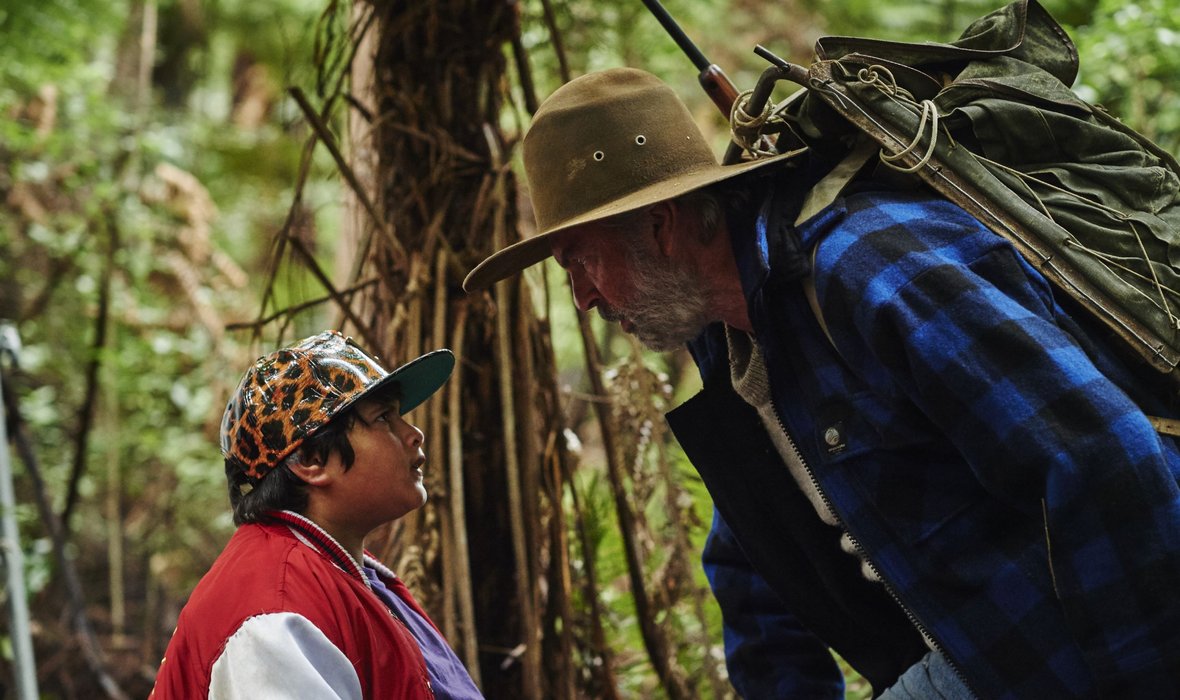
(315, 537)
(381, 569)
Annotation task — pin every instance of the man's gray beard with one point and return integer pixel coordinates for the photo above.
(670, 307)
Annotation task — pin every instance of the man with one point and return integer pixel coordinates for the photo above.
(317, 456)
(919, 457)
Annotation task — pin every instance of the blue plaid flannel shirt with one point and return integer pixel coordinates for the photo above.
(994, 462)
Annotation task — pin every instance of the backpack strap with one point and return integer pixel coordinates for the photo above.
(831, 185)
(819, 198)
(1165, 426)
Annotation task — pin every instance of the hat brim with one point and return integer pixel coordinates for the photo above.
(533, 250)
(419, 379)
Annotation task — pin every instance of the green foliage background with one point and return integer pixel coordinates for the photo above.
(91, 183)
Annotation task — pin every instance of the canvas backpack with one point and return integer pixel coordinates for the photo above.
(990, 123)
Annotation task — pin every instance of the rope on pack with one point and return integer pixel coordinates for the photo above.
(929, 114)
(882, 78)
(1114, 262)
(1111, 261)
(872, 76)
(1159, 287)
(747, 128)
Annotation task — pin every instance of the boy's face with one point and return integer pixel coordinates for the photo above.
(385, 480)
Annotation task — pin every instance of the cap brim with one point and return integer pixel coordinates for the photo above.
(516, 257)
(419, 378)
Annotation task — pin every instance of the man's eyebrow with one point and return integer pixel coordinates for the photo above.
(564, 253)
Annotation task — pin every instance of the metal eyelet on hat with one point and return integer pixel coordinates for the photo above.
(599, 156)
(640, 140)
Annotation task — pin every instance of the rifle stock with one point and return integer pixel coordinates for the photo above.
(719, 88)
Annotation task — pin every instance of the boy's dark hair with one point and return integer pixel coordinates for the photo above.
(282, 489)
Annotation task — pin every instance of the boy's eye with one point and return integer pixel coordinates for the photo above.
(388, 415)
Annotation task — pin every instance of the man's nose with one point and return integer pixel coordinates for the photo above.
(586, 295)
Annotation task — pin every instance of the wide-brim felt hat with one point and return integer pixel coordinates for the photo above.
(605, 144)
(290, 394)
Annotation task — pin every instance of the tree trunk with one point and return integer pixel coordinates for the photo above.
(477, 554)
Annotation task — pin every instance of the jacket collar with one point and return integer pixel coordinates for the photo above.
(751, 252)
(314, 536)
(768, 243)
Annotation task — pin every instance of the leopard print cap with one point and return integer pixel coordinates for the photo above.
(289, 394)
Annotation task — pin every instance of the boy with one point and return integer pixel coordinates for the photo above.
(317, 456)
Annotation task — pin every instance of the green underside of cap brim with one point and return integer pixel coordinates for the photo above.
(419, 378)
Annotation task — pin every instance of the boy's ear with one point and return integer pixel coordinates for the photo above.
(312, 472)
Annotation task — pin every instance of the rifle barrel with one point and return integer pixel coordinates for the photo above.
(716, 83)
(690, 49)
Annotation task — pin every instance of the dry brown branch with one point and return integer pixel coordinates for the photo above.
(524, 320)
(654, 639)
(563, 67)
(641, 395)
(86, 410)
(280, 240)
(606, 687)
(435, 450)
(522, 67)
(314, 267)
(457, 495)
(515, 505)
(329, 141)
(58, 269)
(296, 309)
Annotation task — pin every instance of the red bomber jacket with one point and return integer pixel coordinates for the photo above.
(297, 614)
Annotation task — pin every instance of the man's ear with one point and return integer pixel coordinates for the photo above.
(313, 472)
(664, 217)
